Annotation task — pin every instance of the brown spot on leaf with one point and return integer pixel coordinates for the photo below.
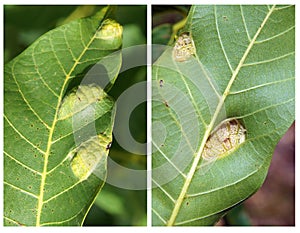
(166, 104)
(161, 82)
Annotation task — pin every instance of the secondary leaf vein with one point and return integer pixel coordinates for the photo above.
(169, 161)
(261, 85)
(22, 136)
(220, 39)
(158, 215)
(22, 164)
(21, 190)
(269, 60)
(164, 191)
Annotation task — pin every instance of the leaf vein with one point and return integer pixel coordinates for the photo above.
(21, 190)
(61, 162)
(62, 192)
(208, 215)
(263, 109)
(275, 36)
(11, 220)
(221, 187)
(261, 85)
(63, 221)
(166, 157)
(192, 97)
(68, 46)
(40, 75)
(176, 122)
(245, 24)
(268, 60)
(57, 59)
(158, 215)
(282, 8)
(22, 136)
(26, 101)
(220, 40)
(22, 164)
(164, 191)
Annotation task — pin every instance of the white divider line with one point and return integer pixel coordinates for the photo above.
(149, 114)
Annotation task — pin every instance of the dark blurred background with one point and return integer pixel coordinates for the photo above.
(274, 203)
(23, 25)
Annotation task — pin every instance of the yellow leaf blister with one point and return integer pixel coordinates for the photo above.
(91, 156)
(225, 138)
(184, 48)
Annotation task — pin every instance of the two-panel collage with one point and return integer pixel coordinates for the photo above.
(149, 115)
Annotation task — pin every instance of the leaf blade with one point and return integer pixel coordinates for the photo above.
(227, 68)
(35, 84)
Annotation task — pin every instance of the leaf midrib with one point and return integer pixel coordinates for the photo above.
(51, 131)
(193, 168)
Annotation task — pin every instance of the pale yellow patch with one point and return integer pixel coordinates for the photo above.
(184, 48)
(87, 157)
(224, 139)
(109, 30)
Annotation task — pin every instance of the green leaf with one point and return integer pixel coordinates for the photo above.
(242, 68)
(111, 203)
(237, 217)
(54, 166)
(162, 33)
